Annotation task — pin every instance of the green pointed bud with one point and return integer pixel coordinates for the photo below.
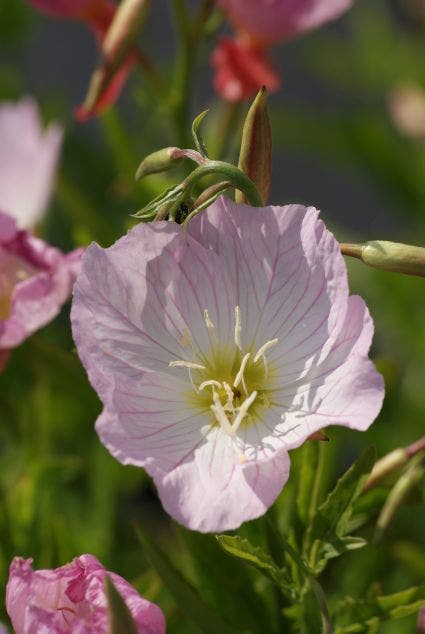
(389, 256)
(255, 157)
(159, 161)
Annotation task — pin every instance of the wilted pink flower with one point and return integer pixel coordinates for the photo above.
(241, 68)
(28, 160)
(35, 280)
(216, 355)
(260, 23)
(72, 599)
(271, 21)
(97, 15)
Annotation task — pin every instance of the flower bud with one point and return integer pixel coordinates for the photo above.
(390, 256)
(119, 54)
(255, 158)
(165, 159)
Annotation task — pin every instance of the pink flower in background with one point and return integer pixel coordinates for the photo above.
(28, 161)
(421, 621)
(72, 599)
(35, 280)
(214, 356)
(241, 68)
(97, 14)
(259, 24)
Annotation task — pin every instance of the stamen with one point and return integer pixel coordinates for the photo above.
(209, 324)
(186, 364)
(266, 346)
(205, 384)
(243, 410)
(239, 378)
(220, 414)
(229, 393)
(238, 327)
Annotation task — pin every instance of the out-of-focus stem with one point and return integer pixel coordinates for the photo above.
(393, 461)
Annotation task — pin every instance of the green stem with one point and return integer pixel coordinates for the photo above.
(231, 173)
(315, 494)
(181, 98)
(321, 600)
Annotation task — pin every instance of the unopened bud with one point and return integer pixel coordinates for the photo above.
(389, 256)
(157, 162)
(165, 159)
(118, 44)
(255, 157)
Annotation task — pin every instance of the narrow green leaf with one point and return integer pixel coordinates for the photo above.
(120, 619)
(330, 522)
(184, 594)
(197, 137)
(241, 548)
(371, 612)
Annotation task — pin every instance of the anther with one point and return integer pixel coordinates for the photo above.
(213, 383)
(209, 324)
(243, 410)
(266, 346)
(238, 327)
(239, 378)
(229, 393)
(220, 414)
(186, 364)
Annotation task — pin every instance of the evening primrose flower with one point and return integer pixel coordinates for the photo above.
(35, 281)
(28, 161)
(72, 598)
(216, 353)
(242, 64)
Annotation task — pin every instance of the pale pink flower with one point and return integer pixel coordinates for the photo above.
(421, 621)
(241, 65)
(72, 599)
(216, 354)
(271, 21)
(35, 280)
(28, 161)
(97, 14)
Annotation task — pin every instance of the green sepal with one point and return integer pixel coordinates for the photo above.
(120, 619)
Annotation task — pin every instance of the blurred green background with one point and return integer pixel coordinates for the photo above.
(335, 147)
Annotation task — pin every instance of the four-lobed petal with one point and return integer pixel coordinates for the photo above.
(165, 324)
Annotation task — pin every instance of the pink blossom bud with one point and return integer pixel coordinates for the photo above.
(72, 598)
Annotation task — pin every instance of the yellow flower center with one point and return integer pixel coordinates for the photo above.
(234, 384)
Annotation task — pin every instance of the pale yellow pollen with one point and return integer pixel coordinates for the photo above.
(186, 364)
(266, 346)
(213, 383)
(243, 410)
(239, 378)
(186, 339)
(220, 414)
(229, 393)
(238, 327)
(209, 324)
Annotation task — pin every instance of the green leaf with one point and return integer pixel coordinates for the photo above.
(120, 619)
(241, 548)
(197, 137)
(371, 612)
(184, 594)
(330, 522)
